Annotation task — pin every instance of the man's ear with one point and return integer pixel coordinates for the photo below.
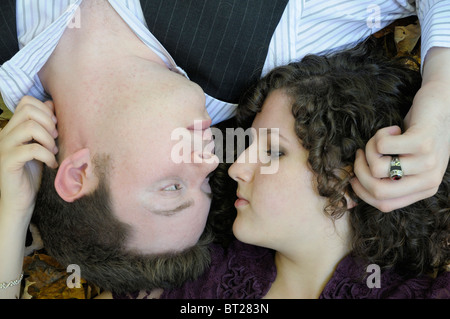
(76, 177)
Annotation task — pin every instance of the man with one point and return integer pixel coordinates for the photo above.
(116, 111)
(195, 46)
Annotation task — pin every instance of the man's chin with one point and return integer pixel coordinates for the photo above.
(128, 272)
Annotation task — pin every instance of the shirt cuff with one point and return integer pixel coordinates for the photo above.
(435, 26)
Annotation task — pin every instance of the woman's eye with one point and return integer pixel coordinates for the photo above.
(274, 154)
(171, 188)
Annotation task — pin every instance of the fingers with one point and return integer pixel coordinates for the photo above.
(30, 134)
(390, 140)
(19, 156)
(388, 205)
(379, 163)
(40, 114)
(418, 154)
(46, 106)
(383, 188)
(386, 194)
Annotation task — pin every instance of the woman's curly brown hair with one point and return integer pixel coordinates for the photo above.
(339, 103)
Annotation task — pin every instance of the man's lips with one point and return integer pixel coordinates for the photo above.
(200, 125)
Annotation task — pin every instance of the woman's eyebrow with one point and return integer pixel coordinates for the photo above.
(171, 212)
(276, 131)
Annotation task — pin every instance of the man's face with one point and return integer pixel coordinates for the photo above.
(165, 202)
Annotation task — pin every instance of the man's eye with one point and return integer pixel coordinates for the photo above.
(171, 188)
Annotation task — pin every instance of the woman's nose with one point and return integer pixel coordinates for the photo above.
(242, 169)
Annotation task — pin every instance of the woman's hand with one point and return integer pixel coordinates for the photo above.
(423, 149)
(424, 154)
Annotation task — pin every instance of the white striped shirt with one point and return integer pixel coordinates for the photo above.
(323, 26)
(306, 26)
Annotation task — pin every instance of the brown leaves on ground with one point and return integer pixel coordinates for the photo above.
(402, 39)
(45, 278)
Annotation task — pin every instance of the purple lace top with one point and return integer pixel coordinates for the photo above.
(247, 272)
(346, 283)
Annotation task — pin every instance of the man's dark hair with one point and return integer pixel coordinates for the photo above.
(87, 233)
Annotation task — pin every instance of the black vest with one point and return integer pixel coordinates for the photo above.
(9, 45)
(221, 44)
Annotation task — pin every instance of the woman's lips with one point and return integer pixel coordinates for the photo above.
(241, 201)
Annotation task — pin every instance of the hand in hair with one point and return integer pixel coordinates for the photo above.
(424, 147)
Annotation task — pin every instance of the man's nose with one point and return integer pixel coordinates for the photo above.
(206, 160)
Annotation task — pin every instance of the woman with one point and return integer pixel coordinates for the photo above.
(327, 243)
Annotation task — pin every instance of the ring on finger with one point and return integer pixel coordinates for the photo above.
(395, 169)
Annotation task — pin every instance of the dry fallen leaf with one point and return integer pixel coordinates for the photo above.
(45, 278)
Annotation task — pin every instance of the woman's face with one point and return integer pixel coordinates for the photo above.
(275, 210)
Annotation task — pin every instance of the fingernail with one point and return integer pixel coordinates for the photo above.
(55, 120)
(55, 133)
(55, 150)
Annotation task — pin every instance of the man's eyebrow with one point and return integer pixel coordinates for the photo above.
(175, 210)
